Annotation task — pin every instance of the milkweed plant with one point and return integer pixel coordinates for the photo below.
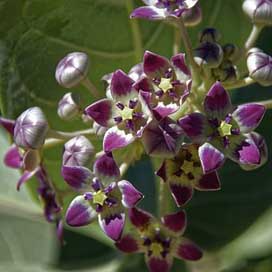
(176, 110)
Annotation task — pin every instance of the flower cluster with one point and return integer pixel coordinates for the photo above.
(177, 110)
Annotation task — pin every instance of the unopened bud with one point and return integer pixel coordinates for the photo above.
(226, 72)
(209, 55)
(259, 66)
(259, 11)
(72, 69)
(209, 35)
(31, 128)
(77, 152)
(193, 16)
(69, 107)
(231, 52)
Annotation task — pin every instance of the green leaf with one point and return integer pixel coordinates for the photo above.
(36, 34)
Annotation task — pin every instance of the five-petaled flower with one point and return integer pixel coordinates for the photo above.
(164, 84)
(162, 9)
(184, 173)
(224, 131)
(160, 241)
(124, 111)
(106, 197)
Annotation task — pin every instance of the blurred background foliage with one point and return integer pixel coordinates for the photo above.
(233, 225)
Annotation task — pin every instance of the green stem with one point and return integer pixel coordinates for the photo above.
(91, 87)
(255, 32)
(239, 84)
(266, 103)
(61, 135)
(163, 205)
(136, 33)
(189, 51)
(177, 41)
(52, 142)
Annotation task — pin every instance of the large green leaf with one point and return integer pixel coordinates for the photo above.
(35, 34)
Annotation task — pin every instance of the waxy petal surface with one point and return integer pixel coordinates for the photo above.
(139, 218)
(101, 112)
(130, 195)
(194, 125)
(149, 13)
(248, 116)
(113, 225)
(106, 169)
(13, 158)
(187, 250)
(115, 138)
(127, 244)
(210, 158)
(176, 222)
(209, 182)
(76, 176)
(217, 103)
(80, 212)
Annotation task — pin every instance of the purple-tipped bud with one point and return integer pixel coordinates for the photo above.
(208, 55)
(193, 16)
(259, 11)
(72, 69)
(77, 152)
(31, 128)
(259, 66)
(68, 107)
(209, 34)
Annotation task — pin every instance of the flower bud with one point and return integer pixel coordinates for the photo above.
(231, 52)
(259, 11)
(226, 72)
(259, 66)
(193, 16)
(208, 54)
(72, 69)
(209, 35)
(77, 152)
(68, 107)
(31, 128)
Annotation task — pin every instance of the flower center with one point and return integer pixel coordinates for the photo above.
(187, 167)
(99, 198)
(127, 113)
(165, 84)
(224, 129)
(156, 249)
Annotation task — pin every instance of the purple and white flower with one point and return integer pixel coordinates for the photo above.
(124, 112)
(106, 197)
(223, 131)
(164, 84)
(162, 9)
(184, 173)
(160, 241)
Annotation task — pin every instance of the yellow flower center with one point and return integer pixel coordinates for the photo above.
(224, 129)
(127, 113)
(99, 198)
(165, 84)
(187, 167)
(156, 249)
